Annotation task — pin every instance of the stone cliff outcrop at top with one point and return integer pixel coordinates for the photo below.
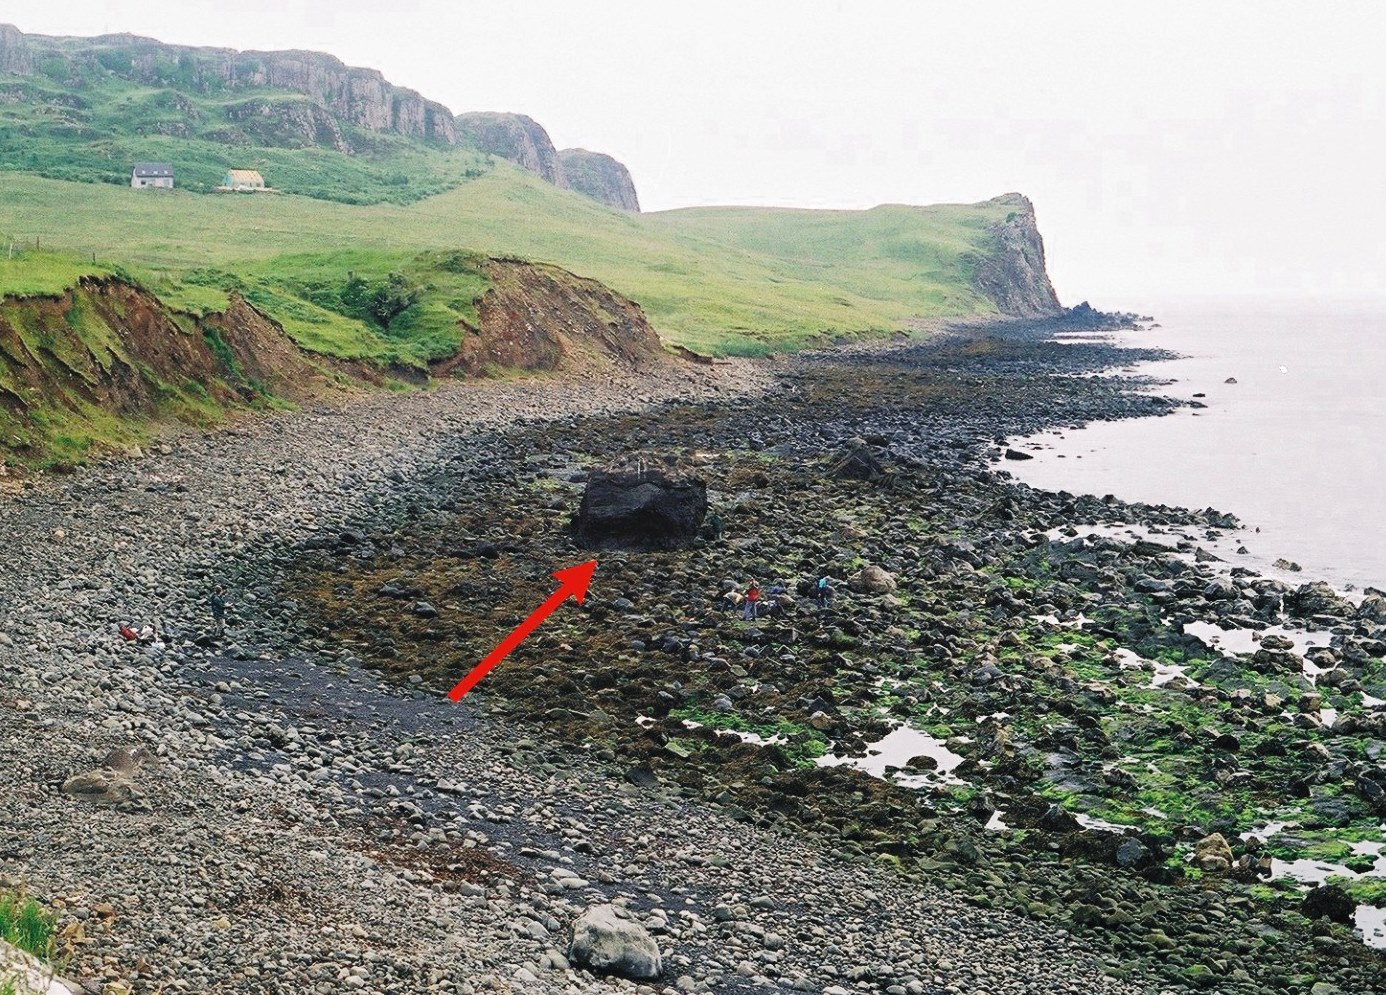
(1013, 275)
(520, 139)
(15, 56)
(600, 177)
(516, 138)
(322, 100)
(360, 97)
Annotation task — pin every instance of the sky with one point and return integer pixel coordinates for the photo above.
(1172, 149)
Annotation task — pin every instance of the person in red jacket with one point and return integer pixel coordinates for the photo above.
(752, 602)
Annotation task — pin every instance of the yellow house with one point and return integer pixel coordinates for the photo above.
(243, 179)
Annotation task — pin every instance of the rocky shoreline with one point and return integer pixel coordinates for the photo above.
(309, 814)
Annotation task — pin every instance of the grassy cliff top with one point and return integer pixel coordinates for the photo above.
(731, 280)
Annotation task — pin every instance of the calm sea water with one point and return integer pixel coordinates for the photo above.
(1296, 447)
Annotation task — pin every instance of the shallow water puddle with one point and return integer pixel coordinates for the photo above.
(1237, 641)
(1077, 622)
(753, 738)
(1234, 642)
(746, 737)
(1161, 673)
(1370, 920)
(1090, 822)
(896, 749)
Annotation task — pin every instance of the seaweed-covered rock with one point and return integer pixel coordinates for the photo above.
(1328, 901)
(856, 462)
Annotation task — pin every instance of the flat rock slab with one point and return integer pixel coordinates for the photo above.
(30, 976)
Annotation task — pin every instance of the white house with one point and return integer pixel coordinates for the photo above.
(243, 179)
(152, 174)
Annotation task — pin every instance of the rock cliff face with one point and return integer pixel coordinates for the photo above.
(359, 97)
(288, 123)
(321, 102)
(15, 56)
(1013, 274)
(516, 138)
(600, 177)
(523, 141)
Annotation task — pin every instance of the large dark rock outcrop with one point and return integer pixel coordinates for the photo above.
(640, 504)
(1012, 275)
(600, 177)
(516, 138)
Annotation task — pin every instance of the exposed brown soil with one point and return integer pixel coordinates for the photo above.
(537, 317)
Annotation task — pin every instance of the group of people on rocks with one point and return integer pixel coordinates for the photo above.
(154, 636)
(771, 602)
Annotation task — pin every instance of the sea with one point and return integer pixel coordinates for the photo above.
(1292, 438)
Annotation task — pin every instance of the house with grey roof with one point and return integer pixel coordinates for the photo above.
(152, 174)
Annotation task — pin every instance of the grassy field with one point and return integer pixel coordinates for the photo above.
(720, 280)
(93, 132)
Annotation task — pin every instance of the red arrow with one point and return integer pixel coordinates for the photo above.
(572, 581)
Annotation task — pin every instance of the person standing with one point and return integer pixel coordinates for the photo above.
(752, 602)
(823, 591)
(217, 602)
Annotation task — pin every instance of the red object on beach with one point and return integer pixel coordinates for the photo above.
(128, 634)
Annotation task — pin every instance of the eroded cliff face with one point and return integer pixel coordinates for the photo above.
(516, 138)
(91, 366)
(359, 97)
(1012, 274)
(600, 177)
(537, 317)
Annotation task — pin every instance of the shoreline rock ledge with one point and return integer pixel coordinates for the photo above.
(605, 941)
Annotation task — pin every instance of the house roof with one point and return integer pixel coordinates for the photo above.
(153, 169)
(245, 176)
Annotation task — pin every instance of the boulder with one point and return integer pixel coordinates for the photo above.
(872, 579)
(856, 462)
(605, 941)
(1132, 853)
(1372, 609)
(1213, 855)
(1319, 598)
(1328, 901)
(99, 786)
(641, 506)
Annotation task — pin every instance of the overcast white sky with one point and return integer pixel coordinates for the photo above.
(1171, 148)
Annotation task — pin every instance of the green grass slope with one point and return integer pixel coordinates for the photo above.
(90, 125)
(721, 280)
